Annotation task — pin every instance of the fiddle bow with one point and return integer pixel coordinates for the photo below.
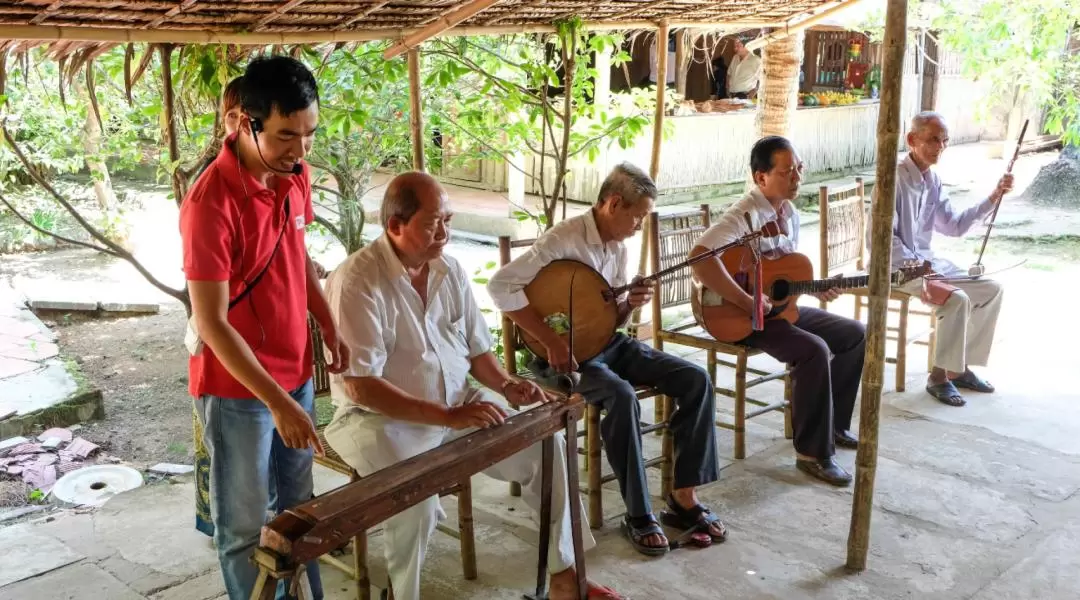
(978, 269)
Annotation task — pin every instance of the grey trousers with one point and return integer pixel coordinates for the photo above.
(608, 380)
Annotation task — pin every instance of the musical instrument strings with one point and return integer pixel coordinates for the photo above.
(977, 268)
(618, 291)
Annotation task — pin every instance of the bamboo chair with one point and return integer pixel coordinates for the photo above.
(593, 444)
(671, 238)
(358, 570)
(843, 229)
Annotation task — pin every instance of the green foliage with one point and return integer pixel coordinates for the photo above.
(510, 97)
(1017, 45)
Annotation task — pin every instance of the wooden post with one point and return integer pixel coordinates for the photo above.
(661, 90)
(178, 186)
(602, 83)
(888, 136)
(681, 62)
(654, 162)
(931, 74)
(416, 117)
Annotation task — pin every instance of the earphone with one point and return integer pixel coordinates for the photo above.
(256, 127)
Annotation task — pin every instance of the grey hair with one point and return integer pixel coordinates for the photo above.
(923, 119)
(401, 200)
(629, 183)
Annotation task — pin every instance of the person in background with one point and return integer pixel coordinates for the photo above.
(743, 72)
(229, 113)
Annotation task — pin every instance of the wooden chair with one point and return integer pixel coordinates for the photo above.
(843, 245)
(671, 237)
(593, 444)
(358, 571)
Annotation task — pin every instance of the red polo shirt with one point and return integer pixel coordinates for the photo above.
(229, 224)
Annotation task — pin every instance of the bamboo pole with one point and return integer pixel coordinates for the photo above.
(888, 135)
(199, 35)
(654, 161)
(789, 28)
(444, 22)
(681, 61)
(661, 90)
(416, 117)
(170, 119)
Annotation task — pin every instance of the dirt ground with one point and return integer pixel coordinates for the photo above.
(141, 371)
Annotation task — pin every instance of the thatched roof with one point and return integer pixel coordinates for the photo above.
(311, 21)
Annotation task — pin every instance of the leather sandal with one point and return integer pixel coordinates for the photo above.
(697, 518)
(973, 382)
(637, 529)
(946, 392)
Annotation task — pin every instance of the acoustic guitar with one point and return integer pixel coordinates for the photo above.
(783, 279)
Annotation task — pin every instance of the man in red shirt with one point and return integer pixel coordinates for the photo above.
(252, 285)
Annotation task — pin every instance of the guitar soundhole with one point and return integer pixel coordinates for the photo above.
(780, 290)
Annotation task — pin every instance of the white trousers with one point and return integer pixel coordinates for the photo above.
(369, 442)
(966, 323)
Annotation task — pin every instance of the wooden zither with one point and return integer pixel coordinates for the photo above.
(311, 529)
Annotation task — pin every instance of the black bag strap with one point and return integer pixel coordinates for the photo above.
(247, 289)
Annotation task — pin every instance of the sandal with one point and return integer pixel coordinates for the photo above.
(972, 382)
(947, 393)
(637, 529)
(697, 518)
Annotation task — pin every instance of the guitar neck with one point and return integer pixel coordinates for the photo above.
(815, 286)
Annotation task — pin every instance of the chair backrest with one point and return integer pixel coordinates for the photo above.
(321, 377)
(843, 222)
(671, 237)
(509, 328)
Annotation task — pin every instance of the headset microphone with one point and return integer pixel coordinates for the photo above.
(256, 127)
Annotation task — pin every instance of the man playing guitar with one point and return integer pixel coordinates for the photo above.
(825, 350)
(596, 239)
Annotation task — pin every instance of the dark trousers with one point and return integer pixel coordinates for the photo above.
(824, 387)
(609, 379)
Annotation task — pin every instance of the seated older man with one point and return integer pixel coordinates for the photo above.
(407, 313)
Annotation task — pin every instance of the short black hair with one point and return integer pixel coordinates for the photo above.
(761, 156)
(276, 81)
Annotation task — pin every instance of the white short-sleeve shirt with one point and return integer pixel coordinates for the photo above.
(732, 225)
(425, 350)
(577, 239)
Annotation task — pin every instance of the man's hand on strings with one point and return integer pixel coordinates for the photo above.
(524, 392)
(640, 294)
(475, 414)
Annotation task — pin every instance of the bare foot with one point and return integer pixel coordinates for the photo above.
(564, 587)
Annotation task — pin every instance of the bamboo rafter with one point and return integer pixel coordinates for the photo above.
(291, 22)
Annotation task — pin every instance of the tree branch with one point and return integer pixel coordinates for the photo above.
(334, 231)
(56, 236)
(485, 144)
(114, 248)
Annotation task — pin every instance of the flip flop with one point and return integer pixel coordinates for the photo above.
(947, 393)
(973, 382)
(637, 534)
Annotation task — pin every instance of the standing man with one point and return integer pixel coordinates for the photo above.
(825, 350)
(967, 319)
(252, 285)
(743, 72)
